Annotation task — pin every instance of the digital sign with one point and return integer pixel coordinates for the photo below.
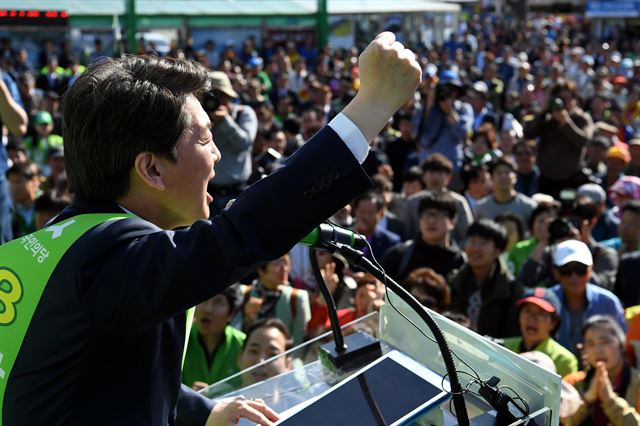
(58, 18)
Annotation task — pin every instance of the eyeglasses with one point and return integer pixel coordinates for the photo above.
(577, 268)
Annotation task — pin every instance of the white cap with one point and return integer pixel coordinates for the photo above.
(572, 251)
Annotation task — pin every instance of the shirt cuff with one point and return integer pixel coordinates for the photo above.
(351, 136)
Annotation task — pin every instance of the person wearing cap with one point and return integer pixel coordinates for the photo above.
(563, 130)
(254, 67)
(616, 161)
(24, 186)
(477, 98)
(606, 225)
(572, 267)
(234, 130)
(539, 318)
(38, 146)
(214, 345)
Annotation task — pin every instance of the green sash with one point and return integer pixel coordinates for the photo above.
(26, 264)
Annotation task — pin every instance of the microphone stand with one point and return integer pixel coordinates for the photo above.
(357, 258)
(331, 304)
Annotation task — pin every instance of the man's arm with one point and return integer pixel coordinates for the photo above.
(193, 408)
(11, 114)
(577, 130)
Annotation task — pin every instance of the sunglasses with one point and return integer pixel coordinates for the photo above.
(577, 268)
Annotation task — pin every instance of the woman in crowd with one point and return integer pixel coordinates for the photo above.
(539, 318)
(609, 386)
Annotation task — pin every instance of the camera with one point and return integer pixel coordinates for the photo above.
(562, 228)
(210, 102)
(557, 104)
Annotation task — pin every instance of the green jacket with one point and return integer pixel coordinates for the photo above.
(519, 254)
(563, 359)
(224, 359)
(38, 148)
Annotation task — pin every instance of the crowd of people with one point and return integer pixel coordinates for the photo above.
(506, 193)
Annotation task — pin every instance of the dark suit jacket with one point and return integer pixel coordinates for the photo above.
(626, 286)
(105, 343)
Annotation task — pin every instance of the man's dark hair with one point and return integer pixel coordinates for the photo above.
(373, 196)
(501, 161)
(381, 184)
(439, 201)
(414, 173)
(471, 172)
(437, 163)
(270, 323)
(291, 125)
(25, 170)
(544, 207)
(632, 205)
(119, 108)
(489, 230)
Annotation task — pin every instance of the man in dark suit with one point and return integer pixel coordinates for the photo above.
(105, 341)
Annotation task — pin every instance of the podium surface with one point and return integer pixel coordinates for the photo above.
(310, 378)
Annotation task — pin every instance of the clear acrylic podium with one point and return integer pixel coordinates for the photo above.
(309, 377)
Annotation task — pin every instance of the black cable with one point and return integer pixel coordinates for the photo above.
(358, 259)
(331, 305)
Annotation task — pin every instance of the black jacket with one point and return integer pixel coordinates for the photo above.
(104, 346)
(498, 312)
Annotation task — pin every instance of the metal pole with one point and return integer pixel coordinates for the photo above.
(132, 25)
(322, 24)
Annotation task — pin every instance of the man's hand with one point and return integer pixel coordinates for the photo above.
(228, 412)
(219, 114)
(389, 76)
(561, 116)
(251, 309)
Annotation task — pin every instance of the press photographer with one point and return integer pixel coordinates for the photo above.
(574, 223)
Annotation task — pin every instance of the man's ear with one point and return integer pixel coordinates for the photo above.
(147, 168)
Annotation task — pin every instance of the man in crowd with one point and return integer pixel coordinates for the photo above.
(369, 211)
(572, 264)
(433, 248)
(437, 171)
(122, 339)
(234, 130)
(564, 130)
(504, 198)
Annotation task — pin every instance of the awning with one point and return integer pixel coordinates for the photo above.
(229, 7)
(613, 9)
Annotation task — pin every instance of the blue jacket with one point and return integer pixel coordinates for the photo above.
(104, 346)
(440, 136)
(599, 302)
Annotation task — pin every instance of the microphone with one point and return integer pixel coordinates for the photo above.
(325, 235)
